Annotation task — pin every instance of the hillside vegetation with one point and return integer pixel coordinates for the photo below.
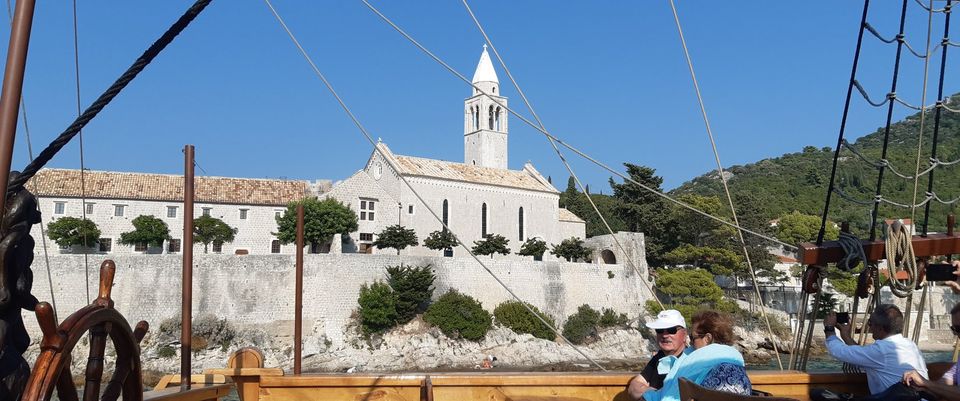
(799, 181)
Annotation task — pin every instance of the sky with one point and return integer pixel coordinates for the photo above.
(608, 77)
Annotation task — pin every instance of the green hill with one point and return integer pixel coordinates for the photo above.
(798, 181)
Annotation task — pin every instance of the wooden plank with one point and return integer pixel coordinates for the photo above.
(206, 378)
(201, 392)
(831, 252)
(340, 393)
(245, 371)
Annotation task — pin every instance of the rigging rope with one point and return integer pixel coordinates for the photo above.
(936, 10)
(43, 231)
(403, 179)
(104, 99)
(83, 191)
(941, 104)
(560, 155)
(923, 114)
(852, 251)
(886, 163)
(886, 133)
(899, 250)
(566, 145)
(726, 188)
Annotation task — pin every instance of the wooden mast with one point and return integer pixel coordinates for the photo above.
(298, 303)
(13, 86)
(186, 312)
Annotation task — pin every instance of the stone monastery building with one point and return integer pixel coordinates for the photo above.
(475, 198)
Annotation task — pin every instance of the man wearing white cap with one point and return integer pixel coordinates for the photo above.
(671, 332)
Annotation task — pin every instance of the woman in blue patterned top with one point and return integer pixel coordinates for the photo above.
(714, 364)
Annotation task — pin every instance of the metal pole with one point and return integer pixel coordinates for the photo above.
(186, 312)
(13, 86)
(298, 304)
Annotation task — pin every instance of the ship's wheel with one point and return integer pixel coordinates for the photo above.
(102, 322)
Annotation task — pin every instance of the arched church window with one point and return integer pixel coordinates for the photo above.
(520, 224)
(494, 89)
(446, 215)
(490, 118)
(483, 221)
(476, 118)
(496, 118)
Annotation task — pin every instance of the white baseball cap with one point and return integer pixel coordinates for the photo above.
(668, 318)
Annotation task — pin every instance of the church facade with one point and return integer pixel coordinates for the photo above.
(475, 198)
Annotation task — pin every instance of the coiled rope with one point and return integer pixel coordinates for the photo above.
(852, 251)
(900, 255)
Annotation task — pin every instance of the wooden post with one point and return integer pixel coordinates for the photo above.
(186, 311)
(298, 303)
(13, 86)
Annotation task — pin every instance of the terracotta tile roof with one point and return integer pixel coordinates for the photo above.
(566, 215)
(476, 174)
(166, 187)
(786, 259)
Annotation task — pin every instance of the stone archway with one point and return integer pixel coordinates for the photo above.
(608, 257)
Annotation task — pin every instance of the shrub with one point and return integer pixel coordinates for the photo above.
(148, 230)
(378, 307)
(491, 244)
(581, 327)
(67, 231)
(207, 330)
(396, 237)
(533, 247)
(166, 351)
(459, 315)
(610, 318)
(412, 287)
(440, 240)
(516, 317)
(572, 250)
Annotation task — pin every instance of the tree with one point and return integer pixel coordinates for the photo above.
(69, 231)
(207, 229)
(688, 291)
(533, 247)
(147, 230)
(493, 243)
(571, 249)
(440, 240)
(413, 287)
(396, 237)
(378, 307)
(796, 227)
(321, 220)
(643, 211)
(718, 261)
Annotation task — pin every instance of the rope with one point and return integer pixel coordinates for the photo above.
(403, 179)
(852, 251)
(566, 145)
(83, 192)
(886, 131)
(843, 125)
(941, 104)
(44, 157)
(899, 249)
(723, 179)
(886, 163)
(877, 34)
(867, 96)
(43, 231)
(934, 10)
(923, 114)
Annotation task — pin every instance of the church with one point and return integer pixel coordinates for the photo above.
(478, 197)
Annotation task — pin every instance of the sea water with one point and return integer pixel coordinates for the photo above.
(826, 363)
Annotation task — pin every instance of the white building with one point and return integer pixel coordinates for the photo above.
(477, 197)
(114, 199)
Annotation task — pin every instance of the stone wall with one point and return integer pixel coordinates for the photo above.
(259, 289)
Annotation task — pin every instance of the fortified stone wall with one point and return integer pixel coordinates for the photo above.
(259, 289)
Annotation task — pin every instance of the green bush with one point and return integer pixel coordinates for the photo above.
(413, 288)
(378, 308)
(459, 315)
(581, 327)
(166, 351)
(610, 318)
(516, 317)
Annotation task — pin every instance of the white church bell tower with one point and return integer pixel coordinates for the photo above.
(485, 120)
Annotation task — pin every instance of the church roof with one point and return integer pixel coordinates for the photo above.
(566, 215)
(485, 71)
(166, 187)
(469, 173)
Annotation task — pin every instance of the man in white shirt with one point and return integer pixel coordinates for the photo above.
(887, 359)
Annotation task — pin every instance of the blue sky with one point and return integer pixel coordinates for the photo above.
(608, 77)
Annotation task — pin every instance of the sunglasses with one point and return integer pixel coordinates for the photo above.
(672, 330)
(956, 329)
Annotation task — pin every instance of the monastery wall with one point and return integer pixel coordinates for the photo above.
(259, 289)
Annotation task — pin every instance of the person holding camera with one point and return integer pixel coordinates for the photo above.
(886, 360)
